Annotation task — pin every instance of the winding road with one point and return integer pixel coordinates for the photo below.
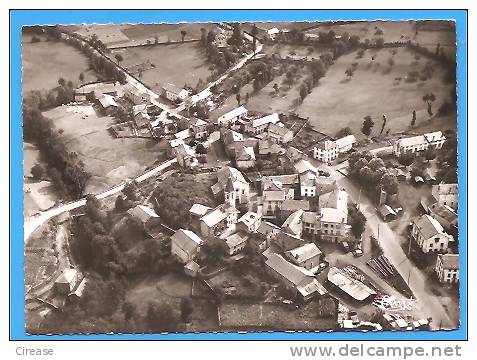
(36, 221)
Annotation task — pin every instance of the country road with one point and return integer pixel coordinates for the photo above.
(34, 222)
(428, 304)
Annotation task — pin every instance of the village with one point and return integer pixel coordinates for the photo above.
(249, 216)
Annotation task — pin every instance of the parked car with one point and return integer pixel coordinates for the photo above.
(345, 246)
(357, 252)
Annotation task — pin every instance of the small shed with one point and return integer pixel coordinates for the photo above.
(191, 268)
(387, 213)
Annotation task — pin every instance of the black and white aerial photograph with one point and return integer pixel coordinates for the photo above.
(240, 177)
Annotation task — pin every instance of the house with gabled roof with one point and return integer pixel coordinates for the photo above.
(245, 157)
(66, 281)
(217, 220)
(228, 119)
(232, 183)
(174, 93)
(260, 125)
(293, 224)
(185, 245)
(144, 214)
(198, 128)
(279, 134)
(447, 268)
(419, 143)
(250, 221)
(308, 256)
(430, 235)
(300, 281)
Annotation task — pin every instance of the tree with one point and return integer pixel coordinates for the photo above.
(237, 97)
(366, 175)
(81, 77)
(61, 82)
(237, 36)
(429, 98)
(254, 36)
(376, 163)
(186, 309)
(303, 91)
(384, 124)
(413, 121)
(160, 317)
(210, 37)
(357, 221)
(344, 132)
(183, 35)
(38, 171)
(368, 124)
(203, 37)
(406, 158)
(390, 184)
(118, 58)
(431, 153)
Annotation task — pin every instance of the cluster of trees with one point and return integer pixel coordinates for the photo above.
(180, 192)
(371, 172)
(104, 308)
(65, 168)
(99, 242)
(106, 68)
(357, 221)
(222, 58)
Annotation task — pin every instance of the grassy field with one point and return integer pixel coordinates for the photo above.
(376, 88)
(176, 64)
(46, 61)
(39, 195)
(393, 31)
(169, 31)
(284, 50)
(108, 159)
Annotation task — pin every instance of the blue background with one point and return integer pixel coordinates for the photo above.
(18, 18)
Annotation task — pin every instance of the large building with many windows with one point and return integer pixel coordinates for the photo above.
(418, 143)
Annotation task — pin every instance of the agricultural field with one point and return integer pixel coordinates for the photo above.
(177, 64)
(392, 31)
(283, 50)
(131, 35)
(379, 86)
(45, 62)
(107, 159)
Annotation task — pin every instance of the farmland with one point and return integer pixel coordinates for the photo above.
(107, 159)
(45, 62)
(376, 88)
(176, 64)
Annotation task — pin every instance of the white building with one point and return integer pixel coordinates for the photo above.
(430, 235)
(325, 151)
(228, 119)
(174, 93)
(447, 268)
(418, 143)
(260, 125)
(239, 189)
(185, 244)
(446, 194)
(328, 150)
